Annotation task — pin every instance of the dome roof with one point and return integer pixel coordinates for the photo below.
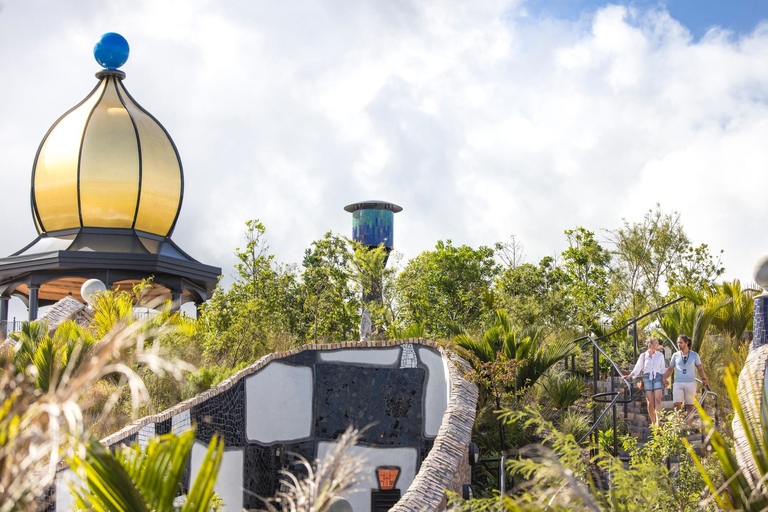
(107, 163)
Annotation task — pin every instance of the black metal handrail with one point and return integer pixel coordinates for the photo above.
(616, 395)
(707, 392)
(597, 397)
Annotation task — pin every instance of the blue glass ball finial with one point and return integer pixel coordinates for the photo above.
(111, 51)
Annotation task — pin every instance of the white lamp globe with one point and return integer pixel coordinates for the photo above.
(90, 289)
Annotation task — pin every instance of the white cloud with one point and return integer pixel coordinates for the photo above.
(480, 119)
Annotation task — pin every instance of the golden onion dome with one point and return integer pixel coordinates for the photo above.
(107, 163)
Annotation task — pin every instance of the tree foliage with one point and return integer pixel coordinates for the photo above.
(585, 263)
(534, 294)
(532, 356)
(449, 285)
(330, 306)
(242, 322)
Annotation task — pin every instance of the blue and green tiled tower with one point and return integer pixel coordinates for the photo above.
(373, 225)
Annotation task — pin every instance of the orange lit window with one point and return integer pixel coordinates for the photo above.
(387, 476)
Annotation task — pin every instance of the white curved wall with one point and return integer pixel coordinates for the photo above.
(360, 496)
(229, 482)
(437, 392)
(371, 357)
(278, 403)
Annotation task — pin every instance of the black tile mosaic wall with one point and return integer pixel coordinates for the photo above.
(305, 358)
(127, 441)
(163, 427)
(47, 502)
(223, 415)
(389, 400)
(260, 468)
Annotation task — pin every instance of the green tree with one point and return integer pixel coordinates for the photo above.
(375, 283)
(696, 267)
(331, 309)
(250, 318)
(446, 286)
(585, 263)
(644, 257)
(534, 294)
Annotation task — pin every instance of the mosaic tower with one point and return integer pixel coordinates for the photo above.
(373, 226)
(373, 223)
(107, 188)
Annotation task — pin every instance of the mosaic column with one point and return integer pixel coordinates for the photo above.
(373, 226)
(751, 385)
(761, 312)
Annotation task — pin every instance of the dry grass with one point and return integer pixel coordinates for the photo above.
(38, 430)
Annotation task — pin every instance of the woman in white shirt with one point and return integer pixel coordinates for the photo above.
(651, 366)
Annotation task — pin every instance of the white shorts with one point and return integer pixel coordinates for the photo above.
(684, 392)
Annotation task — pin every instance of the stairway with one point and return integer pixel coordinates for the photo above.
(639, 421)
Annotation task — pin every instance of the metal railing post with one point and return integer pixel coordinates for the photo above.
(634, 339)
(503, 476)
(596, 376)
(615, 437)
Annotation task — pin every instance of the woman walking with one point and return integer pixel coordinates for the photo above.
(651, 366)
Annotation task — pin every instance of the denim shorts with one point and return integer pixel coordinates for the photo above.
(651, 385)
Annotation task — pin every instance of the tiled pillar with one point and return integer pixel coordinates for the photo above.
(760, 336)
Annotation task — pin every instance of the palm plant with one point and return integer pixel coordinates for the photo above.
(736, 316)
(141, 480)
(693, 316)
(526, 348)
(417, 330)
(111, 308)
(563, 390)
(49, 358)
(38, 430)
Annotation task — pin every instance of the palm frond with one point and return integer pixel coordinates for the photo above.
(482, 350)
(108, 486)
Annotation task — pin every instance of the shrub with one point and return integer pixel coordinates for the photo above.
(563, 390)
(575, 423)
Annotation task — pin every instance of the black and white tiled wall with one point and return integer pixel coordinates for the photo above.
(300, 403)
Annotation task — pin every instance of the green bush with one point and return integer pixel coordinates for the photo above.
(206, 378)
(575, 423)
(562, 390)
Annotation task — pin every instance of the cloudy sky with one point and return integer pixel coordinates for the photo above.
(482, 119)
